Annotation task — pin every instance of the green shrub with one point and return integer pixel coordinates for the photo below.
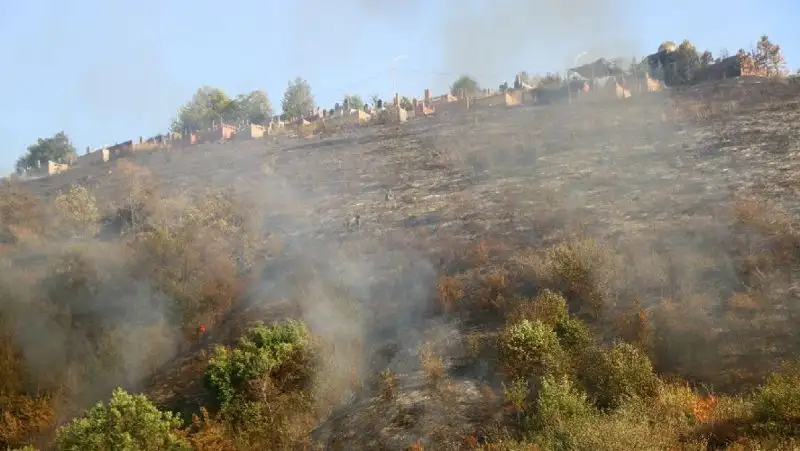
(622, 431)
(566, 420)
(548, 307)
(275, 421)
(127, 423)
(529, 349)
(574, 335)
(776, 404)
(585, 271)
(259, 354)
(515, 395)
(561, 410)
(615, 375)
(78, 211)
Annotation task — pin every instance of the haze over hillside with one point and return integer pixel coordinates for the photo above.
(601, 259)
(131, 83)
(452, 275)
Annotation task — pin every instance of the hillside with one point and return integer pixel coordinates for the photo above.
(666, 221)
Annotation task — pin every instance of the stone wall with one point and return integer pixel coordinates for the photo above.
(56, 168)
(217, 133)
(735, 66)
(48, 168)
(351, 117)
(449, 106)
(488, 101)
(642, 82)
(423, 108)
(98, 156)
(251, 131)
(393, 115)
(519, 97)
(275, 127)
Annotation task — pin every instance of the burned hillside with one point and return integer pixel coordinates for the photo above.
(416, 254)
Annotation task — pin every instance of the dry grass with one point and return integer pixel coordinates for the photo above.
(431, 363)
(387, 384)
(451, 291)
(207, 434)
(25, 418)
(21, 214)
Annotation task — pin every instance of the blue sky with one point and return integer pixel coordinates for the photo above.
(109, 71)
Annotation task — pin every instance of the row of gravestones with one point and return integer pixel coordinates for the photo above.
(344, 107)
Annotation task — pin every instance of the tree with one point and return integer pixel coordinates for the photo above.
(374, 98)
(77, 208)
(298, 100)
(57, 148)
(253, 108)
(769, 56)
(528, 349)
(550, 79)
(406, 104)
(260, 352)
(207, 106)
(706, 59)
(638, 65)
(354, 101)
(129, 422)
(611, 376)
(679, 66)
(465, 85)
(687, 61)
(523, 77)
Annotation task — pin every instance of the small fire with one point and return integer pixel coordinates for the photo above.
(703, 408)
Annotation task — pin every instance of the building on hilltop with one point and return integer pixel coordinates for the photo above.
(664, 65)
(739, 65)
(599, 69)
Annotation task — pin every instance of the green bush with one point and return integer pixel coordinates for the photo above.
(531, 348)
(259, 354)
(77, 209)
(585, 271)
(548, 307)
(566, 420)
(776, 404)
(127, 423)
(562, 409)
(574, 335)
(615, 375)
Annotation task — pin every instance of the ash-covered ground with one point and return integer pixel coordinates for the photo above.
(374, 210)
(623, 166)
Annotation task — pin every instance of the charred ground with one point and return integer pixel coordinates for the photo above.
(666, 221)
